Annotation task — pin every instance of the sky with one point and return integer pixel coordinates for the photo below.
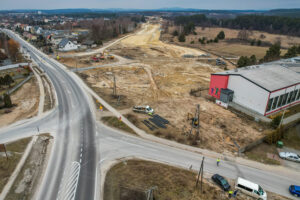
(150, 4)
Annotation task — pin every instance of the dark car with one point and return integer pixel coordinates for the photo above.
(221, 181)
(295, 190)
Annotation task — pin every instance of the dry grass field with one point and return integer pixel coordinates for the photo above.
(229, 48)
(286, 41)
(130, 179)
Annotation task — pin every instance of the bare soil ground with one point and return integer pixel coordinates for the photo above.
(30, 175)
(117, 123)
(15, 151)
(84, 62)
(162, 78)
(26, 100)
(130, 179)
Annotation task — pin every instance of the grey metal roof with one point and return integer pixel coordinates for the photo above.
(291, 63)
(269, 76)
(63, 42)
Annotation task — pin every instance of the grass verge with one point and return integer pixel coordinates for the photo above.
(30, 175)
(115, 122)
(7, 166)
(130, 180)
(260, 152)
(292, 137)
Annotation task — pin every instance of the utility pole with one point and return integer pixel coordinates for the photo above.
(3, 148)
(149, 193)
(282, 117)
(202, 166)
(198, 125)
(200, 174)
(76, 64)
(115, 86)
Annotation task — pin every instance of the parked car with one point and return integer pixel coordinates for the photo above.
(221, 181)
(250, 188)
(295, 190)
(289, 156)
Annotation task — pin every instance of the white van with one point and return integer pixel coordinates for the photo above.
(251, 189)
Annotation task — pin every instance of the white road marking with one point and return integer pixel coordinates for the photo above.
(68, 187)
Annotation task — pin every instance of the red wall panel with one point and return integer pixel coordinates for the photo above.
(217, 82)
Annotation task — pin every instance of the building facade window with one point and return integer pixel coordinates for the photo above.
(284, 99)
(289, 97)
(280, 100)
(275, 103)
(298, 95)
(270, 104)
(294, 96)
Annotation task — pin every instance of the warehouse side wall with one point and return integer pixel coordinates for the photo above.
(283, 98)
(217, 82)
(248, 94)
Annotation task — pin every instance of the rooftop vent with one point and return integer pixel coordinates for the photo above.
(236, 70)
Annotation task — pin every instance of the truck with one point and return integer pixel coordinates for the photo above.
(143, 109)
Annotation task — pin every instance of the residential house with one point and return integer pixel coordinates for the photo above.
(67, 45)
(38, 30)
(28, 28)
(29, 36)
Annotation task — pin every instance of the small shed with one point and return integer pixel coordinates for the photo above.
(226, 95)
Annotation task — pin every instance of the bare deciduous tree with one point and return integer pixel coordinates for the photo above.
(243, 34)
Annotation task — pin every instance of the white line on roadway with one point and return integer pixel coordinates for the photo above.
(69, 183)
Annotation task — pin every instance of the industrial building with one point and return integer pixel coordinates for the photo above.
(263, 89)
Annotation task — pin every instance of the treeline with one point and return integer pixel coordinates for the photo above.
(270, 24)
(102, 29)
(272, 54)
(5, 98)
(10, 47)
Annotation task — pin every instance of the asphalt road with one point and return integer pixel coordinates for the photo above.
(81, 146)
(74, 144)
(115, 145)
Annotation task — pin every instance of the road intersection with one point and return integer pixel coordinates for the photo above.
(84, 148)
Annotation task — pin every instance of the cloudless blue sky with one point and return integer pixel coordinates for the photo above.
(150, 4)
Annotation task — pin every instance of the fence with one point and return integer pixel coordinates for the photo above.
(19, 84)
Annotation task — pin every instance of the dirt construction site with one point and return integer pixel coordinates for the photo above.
(157, 74)
(25, 100)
